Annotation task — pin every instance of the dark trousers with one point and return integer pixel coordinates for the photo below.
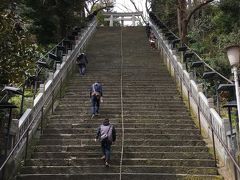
(106, 149)
(82, 69)
(95, 104)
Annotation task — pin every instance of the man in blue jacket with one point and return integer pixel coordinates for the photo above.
(96, 94)
(106, 133)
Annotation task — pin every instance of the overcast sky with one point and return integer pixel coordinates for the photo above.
(127, 6)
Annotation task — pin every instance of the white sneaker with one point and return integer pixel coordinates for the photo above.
(107, 164)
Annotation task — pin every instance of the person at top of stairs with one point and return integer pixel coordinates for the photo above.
(96, 97)
(148, 30)
(106, 133)
(152, 40)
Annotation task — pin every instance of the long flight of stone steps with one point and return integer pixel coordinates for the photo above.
(155, 132)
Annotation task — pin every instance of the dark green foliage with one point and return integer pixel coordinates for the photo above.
(52, 19)
(212, 28)
(26, 25)
(166, 11)
(214, 31)
(16, 48)
(229, 18)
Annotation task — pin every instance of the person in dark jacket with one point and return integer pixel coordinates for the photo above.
(106, 133)
(148, 30)
(152, 40)
(96, 94)
(82, 62)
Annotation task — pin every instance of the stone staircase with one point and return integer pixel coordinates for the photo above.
(159, 138)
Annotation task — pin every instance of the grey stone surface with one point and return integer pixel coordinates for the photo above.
(160, 138)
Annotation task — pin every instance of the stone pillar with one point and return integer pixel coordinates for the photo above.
(133, 20)
(200, 87)
(111, 21)
(210, 102)
(122, 21)
(191, 74)
(174, 52)
(64, 58)
(69, 53)
(58, 66)
(50, 76)
(42, 88)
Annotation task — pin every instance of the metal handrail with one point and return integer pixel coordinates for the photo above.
(202, 104)
(33, 115)
(122, 118)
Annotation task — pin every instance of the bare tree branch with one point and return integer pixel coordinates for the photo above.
(196, 8)
(138, 10)
(93, 4)
(101, 8)
(86, 8)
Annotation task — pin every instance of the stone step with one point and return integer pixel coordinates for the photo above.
(86, 104)
(168, 176)
(119, 125)
(117, 113)
(127, 91)
(70, 169)
(125, 105)
(115, 176)
(170, 169)
(126, 130)
(119, 120)
(170, 162)
(126, 136)
(128, 100)
(137, 142)
(87, 116)
(96, 148)
(72, 155)
(112, 90)
(136, 108)
(133, 161)
(137, 94)
(92, 176)
(158, 155)
(141, 80)
(116, 169)
(69, 162)
(160, 124)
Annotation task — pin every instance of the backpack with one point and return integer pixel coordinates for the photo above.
(106, 133)
(81, 59)
(94, 90)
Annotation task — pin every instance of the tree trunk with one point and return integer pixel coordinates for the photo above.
(179, 22)
(184, 31)
(185, 16)
(182, 5)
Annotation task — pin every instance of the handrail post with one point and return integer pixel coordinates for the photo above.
(52, 104)
(26, 147)
(42, 115)
(61, 84)
(213, 139)
(198, 109)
